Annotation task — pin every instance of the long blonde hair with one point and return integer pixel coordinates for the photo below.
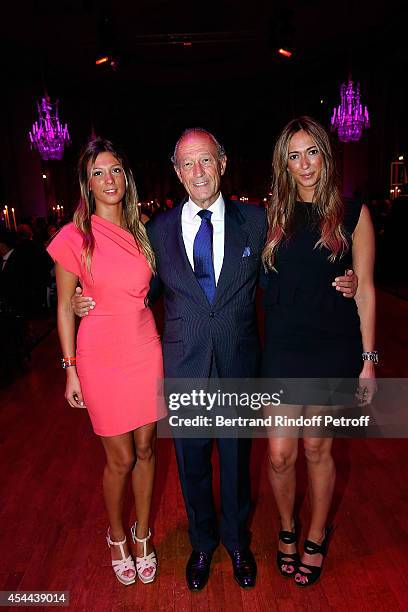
(327, 199)
(86, 206)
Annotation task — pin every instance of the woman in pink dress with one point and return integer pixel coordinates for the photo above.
(116, 367)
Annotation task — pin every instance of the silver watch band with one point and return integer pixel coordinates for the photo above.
(370, 356)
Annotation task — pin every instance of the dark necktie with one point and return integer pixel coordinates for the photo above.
(203, 255)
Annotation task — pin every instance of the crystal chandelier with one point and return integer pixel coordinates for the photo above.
(47, 134)
(349, 118)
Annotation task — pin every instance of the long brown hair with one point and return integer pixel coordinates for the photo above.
(327, 199)
(86, 206)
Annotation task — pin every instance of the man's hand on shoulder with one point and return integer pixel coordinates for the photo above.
(81, 305)
(347, 284)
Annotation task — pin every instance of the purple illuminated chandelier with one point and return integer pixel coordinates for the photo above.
(47, 134)
(349, 118)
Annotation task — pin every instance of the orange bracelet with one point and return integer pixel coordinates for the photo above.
(67, 362)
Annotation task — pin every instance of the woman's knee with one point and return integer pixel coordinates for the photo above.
(144, 452)
(122, 463)
(281, 461)
(317, 452)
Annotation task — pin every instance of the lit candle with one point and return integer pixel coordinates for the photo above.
(14, 218)
(7, 217)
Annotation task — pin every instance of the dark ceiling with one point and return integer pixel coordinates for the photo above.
(157, 42)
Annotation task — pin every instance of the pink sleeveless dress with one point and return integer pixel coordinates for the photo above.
(119, 357)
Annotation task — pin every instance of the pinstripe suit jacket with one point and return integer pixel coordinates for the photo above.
(194, 330)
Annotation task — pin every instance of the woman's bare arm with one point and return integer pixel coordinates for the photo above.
(66, 283)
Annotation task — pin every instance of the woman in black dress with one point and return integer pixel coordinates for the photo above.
(311, 331)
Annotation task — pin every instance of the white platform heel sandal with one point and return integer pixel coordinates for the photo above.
(147, 561)
(120, 566)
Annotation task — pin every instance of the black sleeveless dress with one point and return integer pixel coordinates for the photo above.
(311, 330)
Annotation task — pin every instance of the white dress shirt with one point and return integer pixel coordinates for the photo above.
(190, 223)
(5, 258)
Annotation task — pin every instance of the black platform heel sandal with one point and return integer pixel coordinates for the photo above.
(311, 548)
(285, 560)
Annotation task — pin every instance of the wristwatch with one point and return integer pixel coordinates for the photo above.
(370, 356)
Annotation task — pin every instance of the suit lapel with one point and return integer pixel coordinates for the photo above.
(235, 240)
(178, 260)
(8, 263)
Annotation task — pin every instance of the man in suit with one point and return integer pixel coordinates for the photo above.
(210, 331)
(208, 254)
(14, 273)
(14, 295)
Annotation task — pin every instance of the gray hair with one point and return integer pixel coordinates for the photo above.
(187, 132)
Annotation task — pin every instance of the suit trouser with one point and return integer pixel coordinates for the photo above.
(195, 472)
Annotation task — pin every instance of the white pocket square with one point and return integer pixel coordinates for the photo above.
(247, 252)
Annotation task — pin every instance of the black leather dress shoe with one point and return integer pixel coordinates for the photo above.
(244, 566)
(198, 570)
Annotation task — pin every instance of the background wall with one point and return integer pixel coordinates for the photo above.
(221, 72)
